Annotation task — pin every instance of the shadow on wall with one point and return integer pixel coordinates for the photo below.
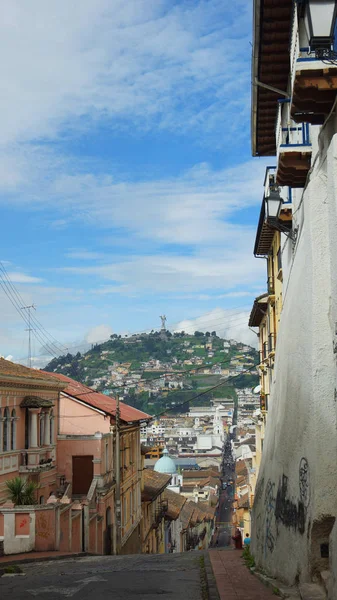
(319, 547)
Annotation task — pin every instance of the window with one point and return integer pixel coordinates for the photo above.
(42, 426)
(6, 430)
(51, 424)
(13, 430)
(41, 500)
(131, 449)
(106, 457)
(125, 519)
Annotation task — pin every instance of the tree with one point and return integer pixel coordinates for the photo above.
(198, 334)
(21, 492)
(213, 334)
(207, 334)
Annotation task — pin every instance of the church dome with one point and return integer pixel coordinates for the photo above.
(165, 464)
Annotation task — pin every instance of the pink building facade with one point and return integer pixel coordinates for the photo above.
(62, 435)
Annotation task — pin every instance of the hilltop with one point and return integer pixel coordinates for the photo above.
(162, 369)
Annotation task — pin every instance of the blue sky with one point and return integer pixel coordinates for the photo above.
(127, 187)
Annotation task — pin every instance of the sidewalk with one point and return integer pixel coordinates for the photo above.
(234, 580)
(14, 559)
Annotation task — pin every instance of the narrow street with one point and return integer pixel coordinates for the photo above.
(177, 576)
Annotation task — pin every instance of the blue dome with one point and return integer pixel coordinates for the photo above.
(165, 464)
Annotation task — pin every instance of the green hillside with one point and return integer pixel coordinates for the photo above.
(153, 360)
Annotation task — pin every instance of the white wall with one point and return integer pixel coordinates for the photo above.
(296, 490)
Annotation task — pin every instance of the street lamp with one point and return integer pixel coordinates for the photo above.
(273, 205)
(320, 21)
(273, 209)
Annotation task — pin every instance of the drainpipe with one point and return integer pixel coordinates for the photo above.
(118, 479)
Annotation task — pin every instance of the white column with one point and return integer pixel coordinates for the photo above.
(33, 412)
(46, 440)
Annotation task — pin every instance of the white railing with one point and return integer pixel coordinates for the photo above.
(288, 133)
(294, 45)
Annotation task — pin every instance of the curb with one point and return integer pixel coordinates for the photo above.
(212, 588)
(290, 593)
(37, 559)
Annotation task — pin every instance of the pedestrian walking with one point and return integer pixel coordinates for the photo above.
(246, 541)
(237, 538)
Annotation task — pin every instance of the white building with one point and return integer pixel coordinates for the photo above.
(294, 533)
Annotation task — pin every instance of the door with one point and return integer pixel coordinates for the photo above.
(108, 530)
(83, 472)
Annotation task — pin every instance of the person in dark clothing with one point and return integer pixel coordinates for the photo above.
(237, 538)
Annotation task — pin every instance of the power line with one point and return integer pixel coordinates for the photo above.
(231, 377)
(18, 307)
(205, 392)
(16, 299)
(164, 374)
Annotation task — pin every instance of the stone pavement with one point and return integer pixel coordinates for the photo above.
(143, 576)
(234, 580)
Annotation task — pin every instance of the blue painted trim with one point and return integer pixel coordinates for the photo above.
(305, 49)
(283, 100)
(294, 145)
(290, 194)
(291, 128)
(309, 59)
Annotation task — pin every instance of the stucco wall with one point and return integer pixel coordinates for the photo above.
(296, 491)
(78, 419)
(16, 541)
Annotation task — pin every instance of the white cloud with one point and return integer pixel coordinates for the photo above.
(177, 64)
(84, 255)
(169, 273)
(17, 277)
(98, 334)
(227, 324)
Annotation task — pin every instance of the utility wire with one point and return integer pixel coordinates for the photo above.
(44, 333)
(231, 377)
(205, 391)
(18, 308)
(164, 374)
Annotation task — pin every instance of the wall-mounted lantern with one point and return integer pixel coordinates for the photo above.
(320, 22)
(273, 209)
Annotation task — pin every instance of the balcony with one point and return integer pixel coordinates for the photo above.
(35, 460)
(293, 146)
(159, 514)
(313, 77)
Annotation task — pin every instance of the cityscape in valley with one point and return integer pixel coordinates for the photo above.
(196, 459)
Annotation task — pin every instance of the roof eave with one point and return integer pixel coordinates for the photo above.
(255, 67)
(57, 386)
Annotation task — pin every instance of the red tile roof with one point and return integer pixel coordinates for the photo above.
(10, 370)
(97, 400)
(175, 503)
(154, 484)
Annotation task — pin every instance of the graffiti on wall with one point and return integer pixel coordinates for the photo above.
(42, 526)
(269, 502)
(282, 509)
